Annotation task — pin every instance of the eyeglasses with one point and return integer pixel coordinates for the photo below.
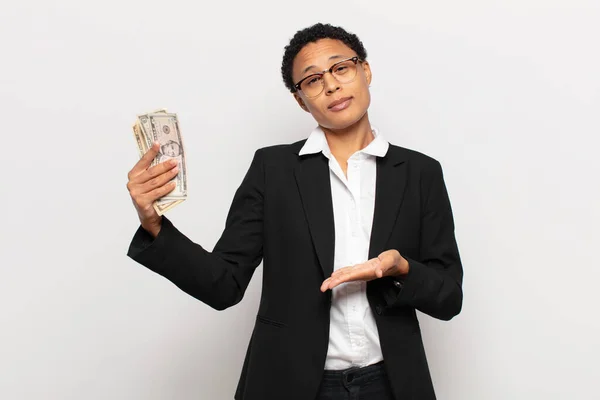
(343, 71)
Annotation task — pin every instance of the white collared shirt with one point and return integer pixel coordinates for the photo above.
(353, 336)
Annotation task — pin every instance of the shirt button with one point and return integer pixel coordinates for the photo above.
(398, 284)
(378, 309)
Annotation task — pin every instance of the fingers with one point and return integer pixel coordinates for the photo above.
(144, 194)
(144, 162)
(372, 263)
(143, 201)
(347, 274)
(153, 172)
(159, 180)
(325, 285)
(367, 271)
(152, 184)
(160, 192)
(147, 184)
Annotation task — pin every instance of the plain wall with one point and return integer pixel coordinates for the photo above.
(504, 93)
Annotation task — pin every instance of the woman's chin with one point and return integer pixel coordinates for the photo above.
(342, 122)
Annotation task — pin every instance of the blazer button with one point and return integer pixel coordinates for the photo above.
(378, 309)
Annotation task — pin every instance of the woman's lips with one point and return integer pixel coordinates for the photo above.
(341, 106)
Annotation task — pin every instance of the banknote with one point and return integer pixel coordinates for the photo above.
(144, 126)
(163, 127)
(165, 130)
(162, 206)
(143, 122)
(139, 139)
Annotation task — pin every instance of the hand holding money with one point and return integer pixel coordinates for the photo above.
(162, 127)
(149, 183)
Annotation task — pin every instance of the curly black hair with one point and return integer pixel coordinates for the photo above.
(311, 35)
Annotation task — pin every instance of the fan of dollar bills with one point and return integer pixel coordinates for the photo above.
(163, 127)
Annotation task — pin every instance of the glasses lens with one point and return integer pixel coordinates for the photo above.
(345, 71)
(313, 85)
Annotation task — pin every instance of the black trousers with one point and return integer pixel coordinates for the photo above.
(366, 383)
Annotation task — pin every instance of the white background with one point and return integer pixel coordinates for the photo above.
(504, 93)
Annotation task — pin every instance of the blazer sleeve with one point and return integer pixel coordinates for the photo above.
(433, 284)
(218, 278)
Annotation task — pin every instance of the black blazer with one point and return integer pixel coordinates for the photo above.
(282, 214)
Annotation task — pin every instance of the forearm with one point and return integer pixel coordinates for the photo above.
(433, 291)
(218, 278)
(203, 275)
(433, 284)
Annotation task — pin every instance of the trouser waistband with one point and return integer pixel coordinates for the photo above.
(353, 373)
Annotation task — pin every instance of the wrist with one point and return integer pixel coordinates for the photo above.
(403, 267)
(152, 227)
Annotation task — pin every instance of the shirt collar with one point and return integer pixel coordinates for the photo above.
(317, 142)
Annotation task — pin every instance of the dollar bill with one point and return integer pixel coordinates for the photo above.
(162, 206)
(143, 122)
(139, 139)
(165, 130)
(163, 127)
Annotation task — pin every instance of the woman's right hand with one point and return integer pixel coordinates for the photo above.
(146, 185)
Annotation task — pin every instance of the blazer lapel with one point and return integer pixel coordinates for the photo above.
(389, 193)
(312, 177)
(314, 185)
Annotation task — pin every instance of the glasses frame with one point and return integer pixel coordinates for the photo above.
(354, 59)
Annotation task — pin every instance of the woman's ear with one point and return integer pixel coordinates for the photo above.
(368, 73)
(301, 102)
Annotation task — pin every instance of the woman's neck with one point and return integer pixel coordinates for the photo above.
(345, 142)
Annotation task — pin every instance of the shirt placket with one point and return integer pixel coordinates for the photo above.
(355, 306)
